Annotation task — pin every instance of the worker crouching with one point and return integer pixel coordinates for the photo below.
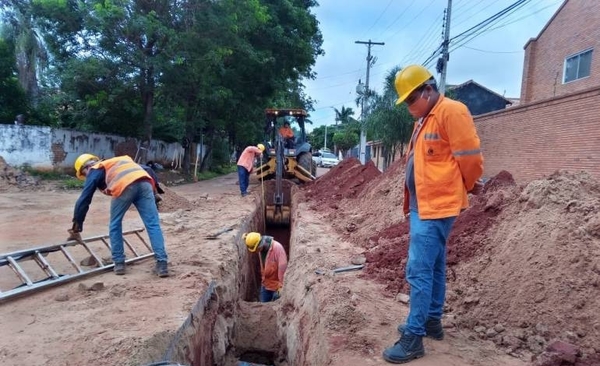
(273, 264)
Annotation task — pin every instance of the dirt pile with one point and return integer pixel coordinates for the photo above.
(345, 180)
(11, 177)
(369, 200)
(524, 262)
(171, 202)
(388, 249)
(540, 277)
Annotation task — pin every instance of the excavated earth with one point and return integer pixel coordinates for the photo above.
(523, 267)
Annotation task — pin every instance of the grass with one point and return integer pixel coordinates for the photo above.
(44, 174)
(72, 183)
(217, 171)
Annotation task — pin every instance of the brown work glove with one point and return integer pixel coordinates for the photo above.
(75, 234)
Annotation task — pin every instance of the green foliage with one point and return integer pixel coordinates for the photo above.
(44, 174)
(343, 115)
(12, 96)
(72, 183)
(387, 122)
(346, 139)
(217, 171)
(173, 70)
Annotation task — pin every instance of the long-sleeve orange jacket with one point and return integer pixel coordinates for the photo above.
(447, 160)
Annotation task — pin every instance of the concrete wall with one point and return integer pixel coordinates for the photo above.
(49, 148)
(536, 139)
(575, 28)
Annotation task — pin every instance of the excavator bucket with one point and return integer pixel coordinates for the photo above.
(277, 206)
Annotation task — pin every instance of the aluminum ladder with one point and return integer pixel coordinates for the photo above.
(13, 259)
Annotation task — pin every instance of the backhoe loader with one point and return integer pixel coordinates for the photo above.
(285, 163)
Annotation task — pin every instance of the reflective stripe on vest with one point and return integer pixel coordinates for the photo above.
(120, 173)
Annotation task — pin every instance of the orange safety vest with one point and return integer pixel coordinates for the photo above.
(273, 269)
(121, 171)
(286, 132)
(447, 160)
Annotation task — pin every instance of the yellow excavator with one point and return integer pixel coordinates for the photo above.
(286, 162)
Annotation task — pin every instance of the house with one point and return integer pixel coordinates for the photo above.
(562, 59)
(478, 98)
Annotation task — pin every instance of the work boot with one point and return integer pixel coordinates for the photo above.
(119, 268)
(161, 269)
(433, 329)
(409, 347)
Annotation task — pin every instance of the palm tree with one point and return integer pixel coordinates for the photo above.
(388, 122)
(343, 115)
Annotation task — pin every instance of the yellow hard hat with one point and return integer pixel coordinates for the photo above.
(252, 240)
(261, 147)
(409, 79)
(81, 162)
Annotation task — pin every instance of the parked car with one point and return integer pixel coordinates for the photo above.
(316, 156)
(328, 160)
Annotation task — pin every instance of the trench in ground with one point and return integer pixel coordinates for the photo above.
(228, 326)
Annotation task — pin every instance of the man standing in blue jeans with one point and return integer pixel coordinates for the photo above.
(127, 183)
(444, 163)
(245, 164)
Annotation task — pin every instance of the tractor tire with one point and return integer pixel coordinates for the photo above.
(305, 160)
(313, 169)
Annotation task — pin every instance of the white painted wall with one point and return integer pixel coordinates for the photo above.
(50, 148)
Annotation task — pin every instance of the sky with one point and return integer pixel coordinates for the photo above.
(411, 31)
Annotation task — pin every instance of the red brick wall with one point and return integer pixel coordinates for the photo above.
(575, 28)
(534, 140)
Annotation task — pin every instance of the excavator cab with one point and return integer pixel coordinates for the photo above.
(286, 161)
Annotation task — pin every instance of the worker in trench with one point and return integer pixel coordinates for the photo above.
(273, 264)
(127, 183)
(444, 163)
(245, 164)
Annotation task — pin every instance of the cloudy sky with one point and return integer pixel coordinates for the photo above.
(411, 31)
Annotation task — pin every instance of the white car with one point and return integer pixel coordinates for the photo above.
(328, 160)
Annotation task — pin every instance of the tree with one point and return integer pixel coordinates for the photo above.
(12, 96)
(342, 116)
(388, 122)
(21, 29)
(345, 140)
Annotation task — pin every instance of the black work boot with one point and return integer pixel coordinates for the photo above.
(433, 329)
(409, 347)
(119, 268)
(161, 269)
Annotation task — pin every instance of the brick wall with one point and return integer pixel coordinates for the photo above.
(536, 139)
(575, 28)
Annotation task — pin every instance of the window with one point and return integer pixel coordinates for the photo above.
(578, 66)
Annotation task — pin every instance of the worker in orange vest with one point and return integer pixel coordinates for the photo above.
(287, 134)
(127, 183)
(444, 164)
(245, 164)
(273, 264)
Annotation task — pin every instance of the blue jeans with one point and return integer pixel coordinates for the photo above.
(267, 295)
(244, 178)
(426, 270)
(141, 195)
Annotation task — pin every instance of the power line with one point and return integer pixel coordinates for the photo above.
(378, 18)
(413, 19)
(398, 17)
(486, 51)
(491, 19)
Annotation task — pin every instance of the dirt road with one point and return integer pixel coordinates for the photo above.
(131, 318)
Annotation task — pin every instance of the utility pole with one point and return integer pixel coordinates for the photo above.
(442, 65)
(363, 135)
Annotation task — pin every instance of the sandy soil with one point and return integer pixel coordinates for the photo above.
(133, 316)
